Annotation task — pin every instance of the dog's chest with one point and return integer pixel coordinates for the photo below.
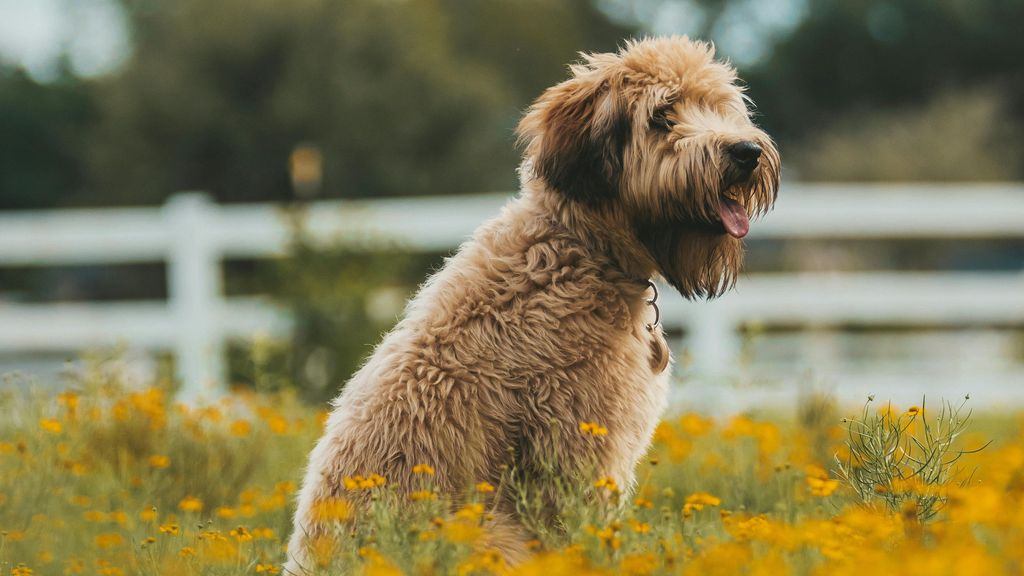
(632, 385)
(651, 370)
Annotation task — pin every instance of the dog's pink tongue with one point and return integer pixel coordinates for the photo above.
(734, 217)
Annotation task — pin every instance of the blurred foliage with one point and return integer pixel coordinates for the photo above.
(402, 97)
(342, 301)
(955, 136)
(849, 56)
(42, 137)
(420, 96)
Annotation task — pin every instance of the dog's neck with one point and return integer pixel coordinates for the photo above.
(606, 231)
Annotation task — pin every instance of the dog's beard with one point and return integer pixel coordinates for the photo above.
(698, 258)
(694, 236)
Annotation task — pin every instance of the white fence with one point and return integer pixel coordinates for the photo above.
(193, 236)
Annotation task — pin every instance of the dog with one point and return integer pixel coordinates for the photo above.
(644, 163)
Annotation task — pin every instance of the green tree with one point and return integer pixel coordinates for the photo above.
(852, 56)
(955, 136)
(43, 132)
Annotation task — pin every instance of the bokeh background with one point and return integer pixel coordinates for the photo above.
(107, 104)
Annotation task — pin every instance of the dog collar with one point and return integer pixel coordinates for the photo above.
(653, 303)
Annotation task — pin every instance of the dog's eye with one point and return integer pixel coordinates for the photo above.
(660, 120)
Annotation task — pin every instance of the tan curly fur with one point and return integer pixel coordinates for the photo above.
(538, 322)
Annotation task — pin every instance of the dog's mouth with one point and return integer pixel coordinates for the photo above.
(733, 217)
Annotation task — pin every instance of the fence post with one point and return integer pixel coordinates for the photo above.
(713, 342)
(194, 296)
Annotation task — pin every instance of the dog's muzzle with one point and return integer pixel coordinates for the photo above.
(745, 156)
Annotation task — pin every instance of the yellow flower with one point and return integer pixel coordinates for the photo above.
(21, 570)
(148, 515)
(210, 413)
(51, 425)
(361, 483)
(703, 498)
(698, 500)
(745, 528)
(483, 562)
(225, 512)
(240, 428)
(888, 412)
(212, 536)
(159, 461)
(106, 569)
(914, 411)
(331, 509)
(94, 516)
(241, 534)
(220, 550)
(267, 569)
(639, 564)
(169, 529)
(695, 425)
(640, 527)
(679, 448)
(593, 429)
(423, 469)
(609, 537)
(278, 425)
(462, 532)
(369, 553)
(187, 552)
(68, 398)
(819, 482)
(821, 487)
(423, 495)
(111, 540)
(484, 487)
(470, 512)
(608, 483)
(249, 495)
(644, 503)
(149, 540)
(190, 504)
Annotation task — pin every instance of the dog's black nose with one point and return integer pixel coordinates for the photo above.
(745, 154)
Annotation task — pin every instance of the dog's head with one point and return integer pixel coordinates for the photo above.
(660, 133)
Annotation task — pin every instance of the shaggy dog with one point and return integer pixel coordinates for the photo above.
(643, 163)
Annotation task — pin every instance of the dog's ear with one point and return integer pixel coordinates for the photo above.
(575, 133)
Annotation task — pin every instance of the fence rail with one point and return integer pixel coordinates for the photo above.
(193, 235)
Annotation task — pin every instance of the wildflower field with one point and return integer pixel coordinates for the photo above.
(107, 481)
